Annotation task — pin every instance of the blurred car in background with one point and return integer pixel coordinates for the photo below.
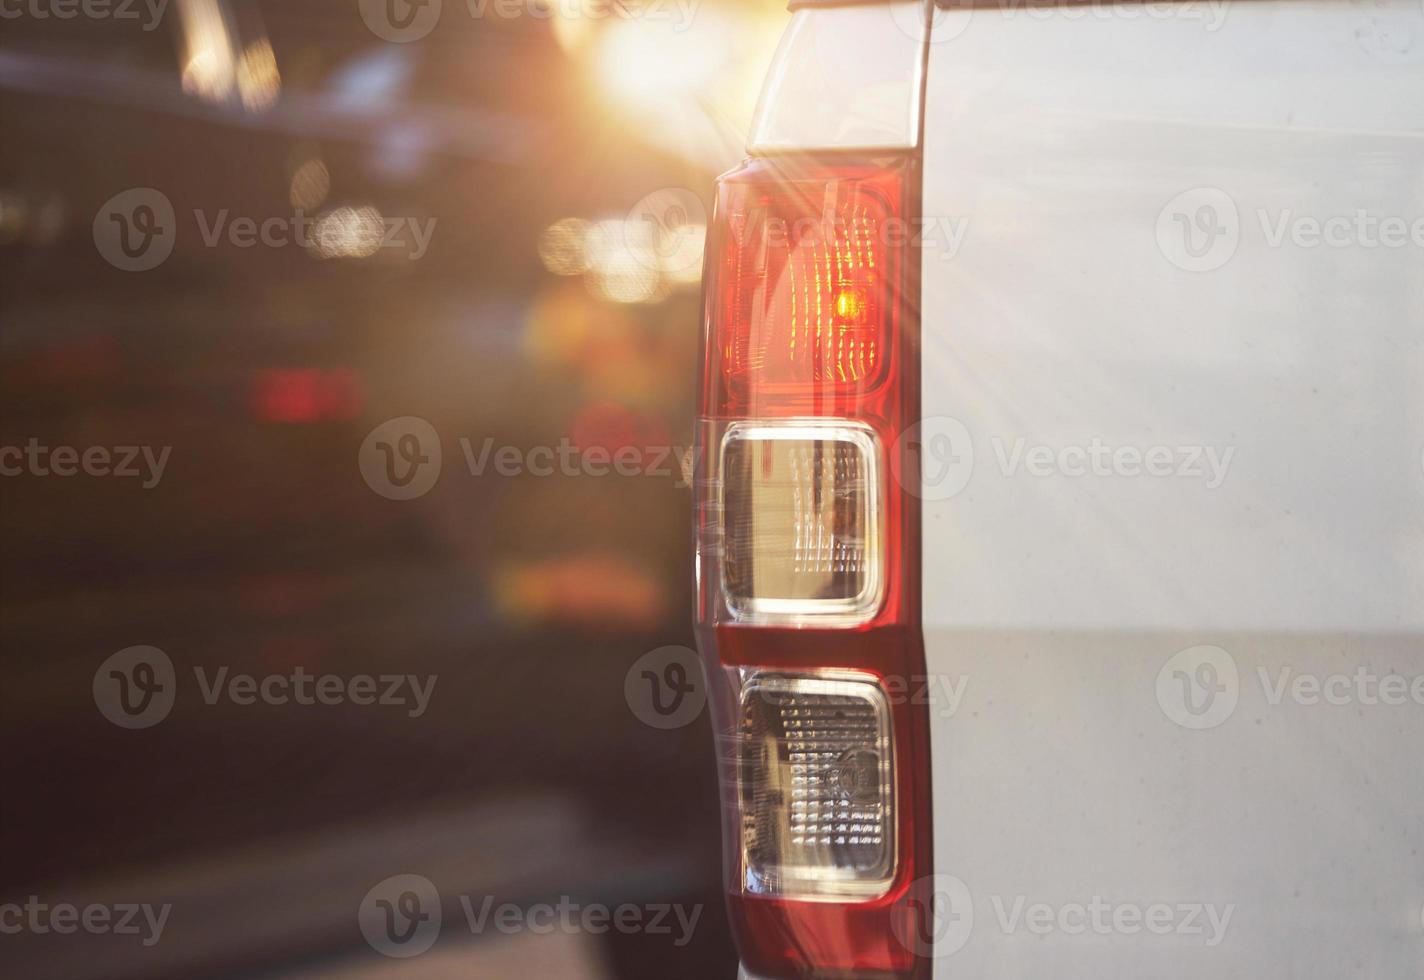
(245, 236)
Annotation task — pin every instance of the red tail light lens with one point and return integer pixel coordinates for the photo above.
(807, 276)
(807, 271)
(808, 562)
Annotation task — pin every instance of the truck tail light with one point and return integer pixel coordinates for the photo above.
(808, 564)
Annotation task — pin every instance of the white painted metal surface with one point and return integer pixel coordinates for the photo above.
(845, 78)
(1175, 545)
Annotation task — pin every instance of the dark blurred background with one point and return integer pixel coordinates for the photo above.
(544, 169)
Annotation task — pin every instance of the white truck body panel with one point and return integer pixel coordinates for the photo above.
(1172, 682)
(845, 78)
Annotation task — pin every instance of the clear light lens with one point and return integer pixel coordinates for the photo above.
(801, 523)
(816, 785)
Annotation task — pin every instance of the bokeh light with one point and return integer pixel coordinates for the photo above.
(623, 260)
(561, 247)
(310, 184)
(209, 61)
(348, 232)
(258, 81)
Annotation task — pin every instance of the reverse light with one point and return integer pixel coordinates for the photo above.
(804, 542)
(815, 787)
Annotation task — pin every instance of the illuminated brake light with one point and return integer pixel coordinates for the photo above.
(808, 564)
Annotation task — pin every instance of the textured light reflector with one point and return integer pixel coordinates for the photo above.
(801, 523)
(805, 279)
(816, 785)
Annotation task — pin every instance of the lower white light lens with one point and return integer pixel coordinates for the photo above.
(801, 533)
(816, 787)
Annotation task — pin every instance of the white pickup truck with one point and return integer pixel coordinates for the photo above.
(1060, 494)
